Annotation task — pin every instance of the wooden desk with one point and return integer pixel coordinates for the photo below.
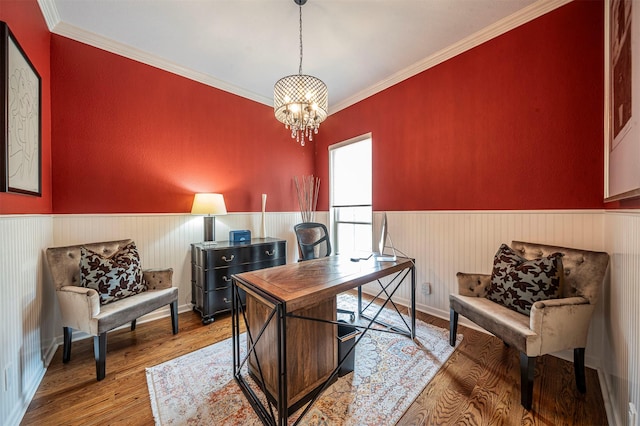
(294, 356)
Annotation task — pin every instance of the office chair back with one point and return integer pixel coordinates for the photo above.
(313, 240)
(313, 243)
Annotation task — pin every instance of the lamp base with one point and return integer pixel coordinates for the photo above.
(209, 229)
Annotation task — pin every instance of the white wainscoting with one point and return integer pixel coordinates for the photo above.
(621, 347)
(25, 342)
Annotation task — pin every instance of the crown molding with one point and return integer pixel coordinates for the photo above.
(521, 17)
(50, 13)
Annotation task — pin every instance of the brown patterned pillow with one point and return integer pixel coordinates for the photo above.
(518, 283)
(114, 277)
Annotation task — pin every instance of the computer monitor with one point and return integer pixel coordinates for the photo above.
(382, 243)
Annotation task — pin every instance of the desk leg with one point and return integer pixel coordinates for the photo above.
(413, 302)
(235, 344)
(282, 366)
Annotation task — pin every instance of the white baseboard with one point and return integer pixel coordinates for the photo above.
(19, 410)
(50, 352)
(613, 418)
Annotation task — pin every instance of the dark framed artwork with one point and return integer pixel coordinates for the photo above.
(622, 98)
(21, 106)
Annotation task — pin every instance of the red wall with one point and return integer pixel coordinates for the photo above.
(515, 123)
(131, 138)
(28, 26)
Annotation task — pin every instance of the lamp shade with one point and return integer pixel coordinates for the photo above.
(208, 204)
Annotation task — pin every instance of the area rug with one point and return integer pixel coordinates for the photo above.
(390, 372)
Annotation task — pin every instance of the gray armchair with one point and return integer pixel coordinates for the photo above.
(553, 325)
(80, 306)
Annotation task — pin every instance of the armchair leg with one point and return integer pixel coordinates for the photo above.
(578, 366)
(66, 345)
(173, 306)
(100, 353)
(453, 327)
(133, 325)
(527, 368)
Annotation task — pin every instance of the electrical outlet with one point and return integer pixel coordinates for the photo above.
(426, 289)
(633, 415)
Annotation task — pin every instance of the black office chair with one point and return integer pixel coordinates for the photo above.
(313, 243)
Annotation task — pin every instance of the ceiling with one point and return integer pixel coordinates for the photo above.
(357, 47)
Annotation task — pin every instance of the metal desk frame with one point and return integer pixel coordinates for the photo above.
(277, 412)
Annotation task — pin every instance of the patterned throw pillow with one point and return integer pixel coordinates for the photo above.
(114, 277)
(518, 283)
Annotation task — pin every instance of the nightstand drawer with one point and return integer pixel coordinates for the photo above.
(219, 277)
(219, 300)
(223, 257)
(265, 252)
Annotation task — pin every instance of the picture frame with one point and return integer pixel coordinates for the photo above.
(21, 114)
(621, 100)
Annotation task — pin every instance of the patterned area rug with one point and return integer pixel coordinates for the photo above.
(390, 372)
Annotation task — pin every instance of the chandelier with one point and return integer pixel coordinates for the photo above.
(300, 101)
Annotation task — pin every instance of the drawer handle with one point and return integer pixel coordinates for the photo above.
(227, 279)
(226, 300)
(270, 253)
(228, 260)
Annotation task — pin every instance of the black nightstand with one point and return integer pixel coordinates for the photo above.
(212, 266)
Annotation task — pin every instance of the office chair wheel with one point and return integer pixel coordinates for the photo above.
(352, 317)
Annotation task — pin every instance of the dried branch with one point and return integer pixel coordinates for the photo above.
(307, 188)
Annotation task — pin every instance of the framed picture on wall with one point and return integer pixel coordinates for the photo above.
(20, 94)
(622, 99)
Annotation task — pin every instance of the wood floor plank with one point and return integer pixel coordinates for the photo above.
(478, 385)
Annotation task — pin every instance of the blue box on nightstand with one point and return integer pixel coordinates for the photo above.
(241, 236)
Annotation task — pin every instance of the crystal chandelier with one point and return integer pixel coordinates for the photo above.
(300, 101)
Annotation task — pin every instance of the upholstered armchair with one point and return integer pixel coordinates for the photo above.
(94, 312)
(553, 325)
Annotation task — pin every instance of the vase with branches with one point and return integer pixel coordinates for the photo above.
(307, 188)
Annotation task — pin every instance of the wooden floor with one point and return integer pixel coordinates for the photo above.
(480, 383)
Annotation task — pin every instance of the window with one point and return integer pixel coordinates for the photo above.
(350, 194)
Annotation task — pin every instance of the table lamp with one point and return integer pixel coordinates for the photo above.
(209, 205)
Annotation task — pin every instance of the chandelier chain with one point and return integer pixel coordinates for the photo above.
(300, 66)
